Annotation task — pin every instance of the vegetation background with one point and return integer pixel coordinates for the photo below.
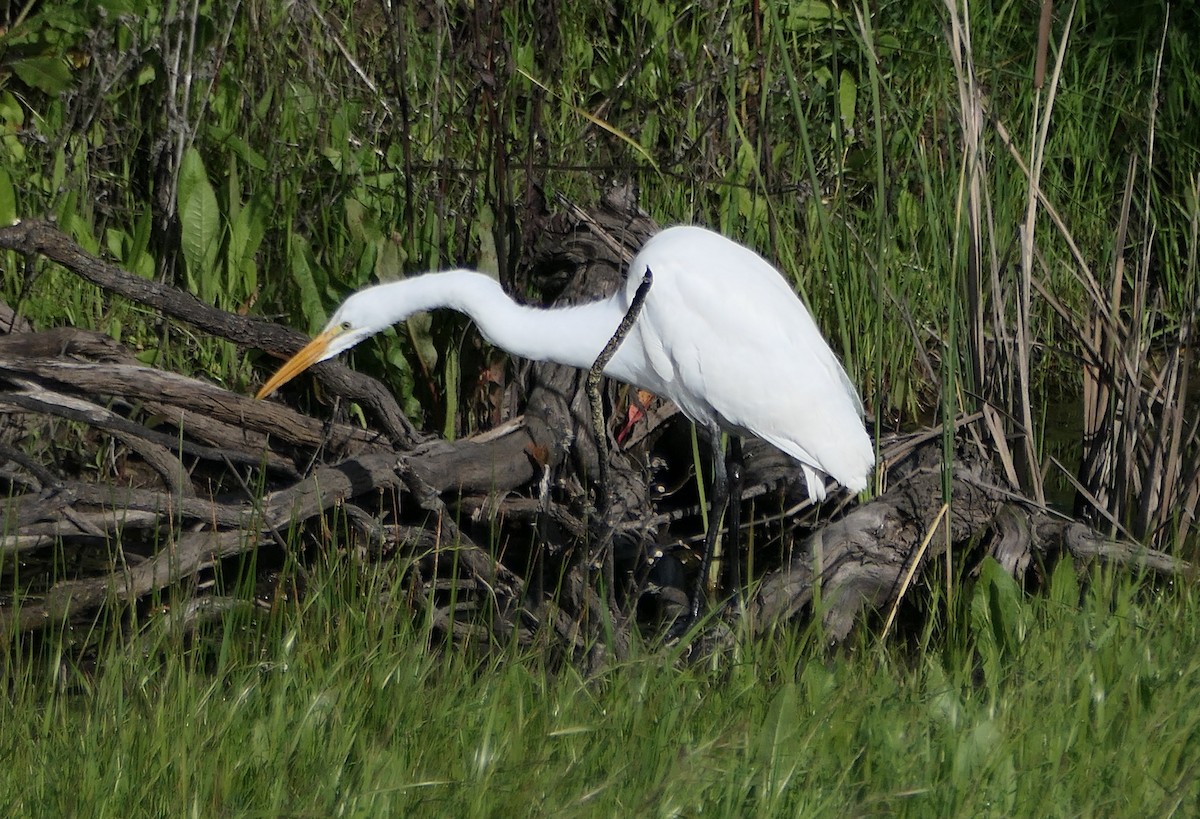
(966, 235)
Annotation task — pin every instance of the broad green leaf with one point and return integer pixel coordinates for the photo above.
(650, 131)
(300, 264)
(199, 226)
(908, 214)
(818, 685)
(799, 15)
(235, 243)
(119, 6)
(246, 236)
(116, 240)
(389, 259)
(945, 704)
(233, 191)
(365, 265)
(12, 115)
(998, 619)
(356, 217)
(334, 157)
(13, 147)
(140, 260)
(248, 276)
(847, 99)
(383, 181)
(419, 325)
(402, 377)
(58, 176)
(977, 748)
(146, 76)
(47, 74)
(8, 199)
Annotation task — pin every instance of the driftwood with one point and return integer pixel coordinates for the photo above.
(193, 475)
(866, 555)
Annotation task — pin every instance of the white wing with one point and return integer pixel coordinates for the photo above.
(727, 339)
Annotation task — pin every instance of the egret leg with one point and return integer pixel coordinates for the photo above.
(726, 505)
(720, 500)
(733, 468)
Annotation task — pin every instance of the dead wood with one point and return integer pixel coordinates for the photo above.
(186, 552)
(38, 238)
(865, 555)
(154, 480)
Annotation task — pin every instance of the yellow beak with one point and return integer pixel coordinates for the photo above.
(310, 354)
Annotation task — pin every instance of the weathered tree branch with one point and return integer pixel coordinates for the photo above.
(35, 237)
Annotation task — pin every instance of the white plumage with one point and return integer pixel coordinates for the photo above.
(721, 334)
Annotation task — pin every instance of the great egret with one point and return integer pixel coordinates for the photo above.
(721, 334)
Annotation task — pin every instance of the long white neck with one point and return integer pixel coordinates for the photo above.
(567, 335)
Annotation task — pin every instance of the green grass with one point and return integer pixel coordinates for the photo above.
(1069, 703)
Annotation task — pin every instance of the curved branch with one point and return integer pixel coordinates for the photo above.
(42, 238)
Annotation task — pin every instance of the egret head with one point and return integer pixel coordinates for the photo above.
(358, 318)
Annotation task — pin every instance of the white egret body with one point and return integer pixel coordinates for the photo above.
(721, 334)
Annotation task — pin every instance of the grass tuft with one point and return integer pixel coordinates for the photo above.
(1074, 702)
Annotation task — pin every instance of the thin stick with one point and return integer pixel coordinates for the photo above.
(912, 569)
(1043, 43)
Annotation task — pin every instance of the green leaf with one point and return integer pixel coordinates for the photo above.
(12, 115)
(778, 739)
(299, 261)
(58, 176)
(356, 219)
(47, 74)
(489, 260)
(239, 147)
(977, 749)
(116, 7)
(8, 199)
(146, 76)
(116, 240)
(419, 327)
(998, 619)
(246, 235)
(847, 99)
(389, 259)
(140, 260)
(997, 606)
(402, 377)
(76, 226)
(1064, 584)
(199, 226)
(806, 11)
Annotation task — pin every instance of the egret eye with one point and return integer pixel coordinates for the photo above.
(344, 326)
